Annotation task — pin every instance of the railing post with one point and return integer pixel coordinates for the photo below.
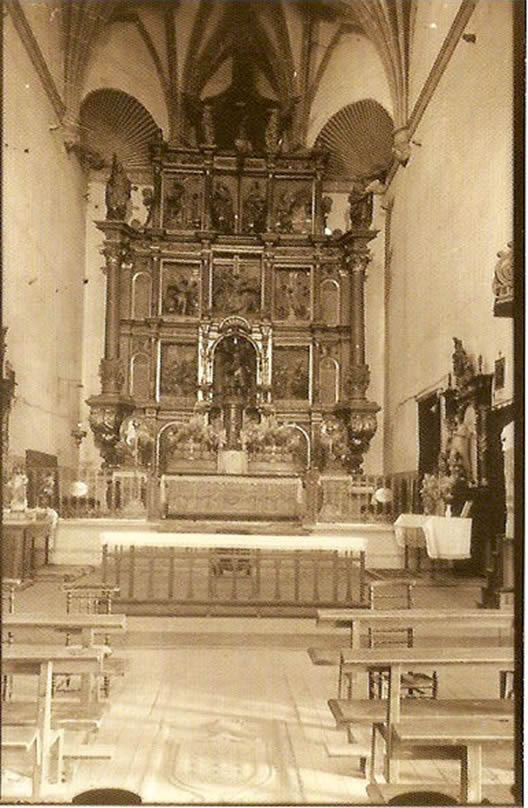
(153, 497)
(312, 484)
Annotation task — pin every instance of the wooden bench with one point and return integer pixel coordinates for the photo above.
(461, 738)
(360, 620)
(64, 715)
(41, 661)
(394, 659)
(350, 714)
(27, 739)
(385, 793)
(84, 625)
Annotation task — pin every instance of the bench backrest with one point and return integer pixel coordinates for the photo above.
(89, 598)
(395, 594)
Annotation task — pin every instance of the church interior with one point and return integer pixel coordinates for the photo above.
(258, 407)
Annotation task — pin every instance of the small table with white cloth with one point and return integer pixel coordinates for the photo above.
(443, 537)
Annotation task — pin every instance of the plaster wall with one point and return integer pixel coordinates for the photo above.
(431, 25)
(354, 72)
(113, 67)
(43, 261)
(452, 213)
(45, 20)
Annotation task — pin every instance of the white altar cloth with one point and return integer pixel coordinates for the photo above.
(448, 537)
(408, 524)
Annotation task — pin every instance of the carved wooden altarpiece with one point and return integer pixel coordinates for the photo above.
(232, 299)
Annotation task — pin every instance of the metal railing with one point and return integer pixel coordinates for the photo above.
(89, 492)
(170, 580)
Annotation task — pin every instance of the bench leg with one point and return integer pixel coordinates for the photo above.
(372, 773)
(471, 774)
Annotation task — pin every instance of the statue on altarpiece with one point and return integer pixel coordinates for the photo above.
(118, 192)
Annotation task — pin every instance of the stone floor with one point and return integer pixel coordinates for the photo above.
(231, 710)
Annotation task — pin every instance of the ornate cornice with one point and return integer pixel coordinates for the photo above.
(34, 52)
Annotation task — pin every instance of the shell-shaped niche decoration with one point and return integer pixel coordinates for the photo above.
(113, 122)
(359, 139)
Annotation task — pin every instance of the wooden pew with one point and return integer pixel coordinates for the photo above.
(84, 625)
(394, 659)
(359, 620)
(350, 714)
(461, 738)
(43, 661)
(27, 739)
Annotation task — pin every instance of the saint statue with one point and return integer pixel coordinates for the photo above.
(18, 488)
(285, 211)
(462, 365)
(360, 202)
(255, 209)
(272, 132)
(118, 192)
(174, 204)
(222, 209)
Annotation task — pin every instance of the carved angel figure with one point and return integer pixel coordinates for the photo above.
(118, 191)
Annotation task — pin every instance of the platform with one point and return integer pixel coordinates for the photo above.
(80, 541)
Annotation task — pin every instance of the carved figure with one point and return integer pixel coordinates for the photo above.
(271, 135)
(242, 141)
(285, 211)
(118, 192)
(360, 206)
(180, 378)
(326, 207)
(208, 128)
(174, 204)
(148, 203)
(293, 299)
(462, 365)
(181, 298)
(255, 210)
(222, 209)
(401, 149)
(18, 488)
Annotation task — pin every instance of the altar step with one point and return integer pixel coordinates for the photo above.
(224, 526)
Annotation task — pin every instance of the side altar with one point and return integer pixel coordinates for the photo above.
(235, 321)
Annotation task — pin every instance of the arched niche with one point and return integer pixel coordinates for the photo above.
(235, 368)
(328, 380)
(140, 376)
(141, 296)
(330, 301)
(303, 452)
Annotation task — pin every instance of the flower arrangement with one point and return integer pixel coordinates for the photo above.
(438, 490)
(197, 431)
(257, 437)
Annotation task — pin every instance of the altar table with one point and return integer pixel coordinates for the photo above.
(231, 496)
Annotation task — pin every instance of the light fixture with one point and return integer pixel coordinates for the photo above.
(78, 434)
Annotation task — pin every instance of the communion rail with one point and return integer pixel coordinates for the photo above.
(89, 492)
(228, 581)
